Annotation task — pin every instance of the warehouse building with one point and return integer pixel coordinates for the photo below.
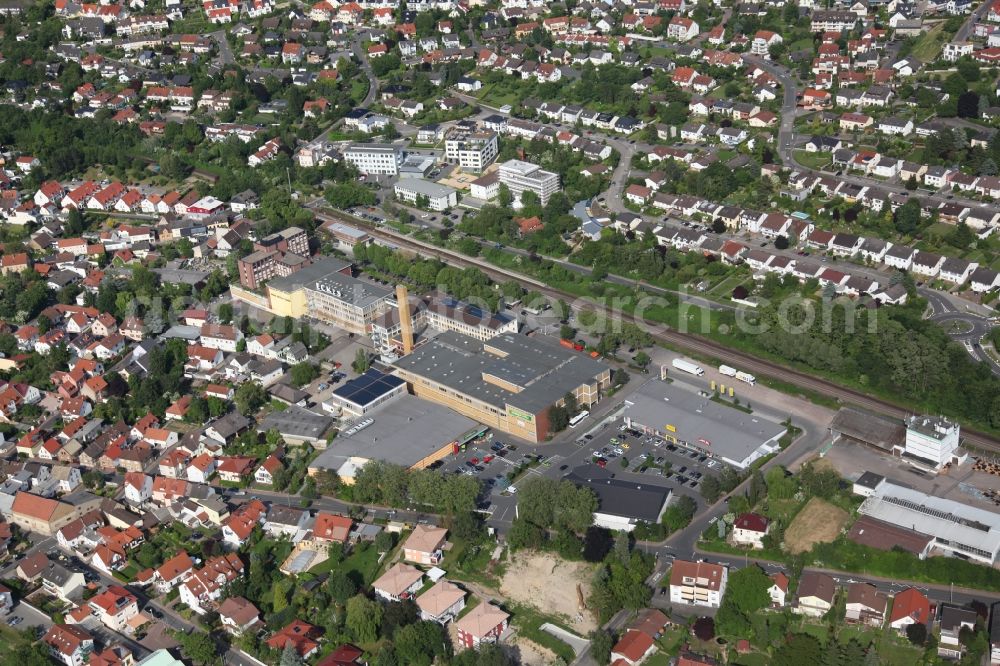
(928, 442)
(857, 426)
(680, 416)
(414, 190)
(954, 528)
(621, 504)
(507, 383)
(408, 431)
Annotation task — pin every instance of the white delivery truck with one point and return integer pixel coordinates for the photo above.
(688, 366)
(746, 377)
(727, 370)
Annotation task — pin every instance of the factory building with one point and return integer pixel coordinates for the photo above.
(507, 383)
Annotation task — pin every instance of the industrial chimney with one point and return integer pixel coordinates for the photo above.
(405, 319)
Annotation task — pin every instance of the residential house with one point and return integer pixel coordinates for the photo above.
(749, 529)
(909, 607)
(114, 607)
(866, 605)
(483, 624)
(442, 603)
(815, 594)
(778, 590)
(238, 615)
(69, 644)
(951, 622)
(425, 544)
(400, 582)
(697, 583)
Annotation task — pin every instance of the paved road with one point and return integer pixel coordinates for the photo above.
(225, 52)
(966, 29)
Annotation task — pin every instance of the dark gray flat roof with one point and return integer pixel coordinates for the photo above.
(403, 432)
(617, 497)
(544, 369)
(297, 423)
(310, 273)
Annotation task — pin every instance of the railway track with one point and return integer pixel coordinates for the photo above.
(685, 341)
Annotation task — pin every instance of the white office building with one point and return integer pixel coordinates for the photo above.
(472, 151)
(375, 158)
(521, 177)
(439, 197)
(933, 441)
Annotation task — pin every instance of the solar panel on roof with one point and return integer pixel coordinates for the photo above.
(368, 387)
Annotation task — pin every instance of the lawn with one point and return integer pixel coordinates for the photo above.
(752, 659)
(928, 46)
(491, 96)
(12, 639)
(363, 560)
(819, 160)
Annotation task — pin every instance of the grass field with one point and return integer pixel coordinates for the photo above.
(812, 160)
(928, 46)
(818, 522)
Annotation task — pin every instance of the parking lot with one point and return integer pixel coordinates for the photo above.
(646, 459)
(490, 460)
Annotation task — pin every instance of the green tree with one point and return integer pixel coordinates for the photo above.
(363, 618)
(421, 643)
(361, 362)
(197, 646)
(679, 513)
(303, 373)
(289, 656)
(558, 418)
(340, 587)
(524, 534)
(916, 633)
(746, 593)
(249, 397)
(601, 644)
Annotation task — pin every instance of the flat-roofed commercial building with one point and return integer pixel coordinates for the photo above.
(472, 151)
(439, 197)
(684, 417)
(507, 383)
(347, 302)
(286, 296)
(380, 159)
(953, 527)
(521, 177)
(368, 392)
(440, 314)
(406, 431)
(621, 504)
